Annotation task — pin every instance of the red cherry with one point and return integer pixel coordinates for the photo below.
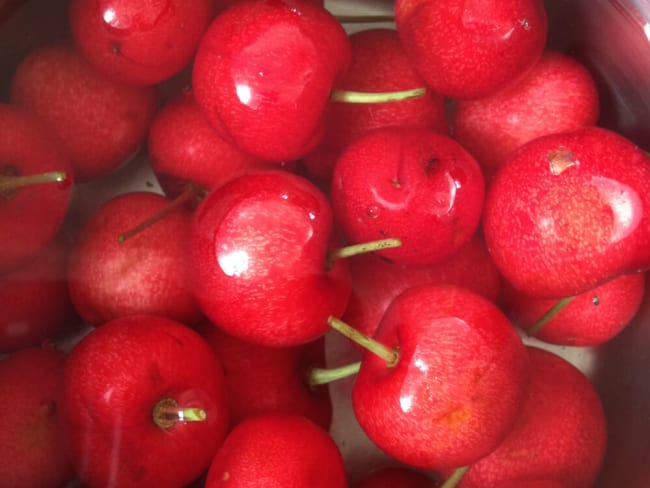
(140, 42)
(267, 85)
(559, 94)
(184, 147)
(348, 121)
(146, 274)
(277, 450)
(36, 305)
(30, 445)
(258, 258)
(590, 319)
(101, 122)
(145, 404)
(397, 477)
(468, 49)
(31, 215)
(458, 380)
(569, 211)
(560, 433)
(262, 380)
(412, 184)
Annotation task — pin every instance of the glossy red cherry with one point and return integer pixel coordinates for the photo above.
(411, 184)
(259, 259)
(569, 211)
(141, 42)
(266, 85)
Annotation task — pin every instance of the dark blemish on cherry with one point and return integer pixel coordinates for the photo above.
(395, 182)
(116, 49)
(595, 300)
(430, 165)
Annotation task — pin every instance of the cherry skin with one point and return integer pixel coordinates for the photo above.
(145, 274)
(348, 121)
(376, 282)
(262, 379)
(36, 305)
(396, 477)
(558, 94)
(471, 49)
(258, 258)
(412, 184)
(139, 42)
(32, 434)
(568, 212)
(185, 148)
(459, 380)
(590, 319)
(101, 122)
(266, 85)
(277, 450)
(35, 213)
(121, 382)
(560, 433)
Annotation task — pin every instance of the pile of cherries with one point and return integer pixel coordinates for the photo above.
(435, 192)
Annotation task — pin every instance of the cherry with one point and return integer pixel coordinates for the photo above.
(144, 404)
(469, 49)
(266, 85)
(30, 445)
(259, 259)
(396, 477)
(452, 379)
(557, 95)
(412, 184)
(140, 42)
(568, 212)
(145, 274)
(35, 186)
(277, 450)
(102, 122)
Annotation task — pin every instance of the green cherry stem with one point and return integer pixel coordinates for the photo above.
(363, 248)
(322, 376)
(550, 313)
(167, 412)
(347, 96)
(11, 183)
(191, 192)
(455, 477)
(364, 19)
(391, 356)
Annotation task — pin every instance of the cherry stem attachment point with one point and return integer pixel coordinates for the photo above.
(455, 477)
(364, 19)
(391, 356)
(347, 96)
(323, 376)
(550, 313)
(167, 412)
(11, 183)
(191, 191)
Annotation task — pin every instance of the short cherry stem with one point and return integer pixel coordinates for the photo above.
(550, 313)
(364, 19)
(347, 96)
(322, 376)
(455, 477)
(167, 412)
(10, 183)
(391, 356)
(363, 248)
(191, 191)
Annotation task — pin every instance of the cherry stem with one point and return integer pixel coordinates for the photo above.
(322, 376)
(348, 96)
(11, 183)
(391, 356)
(550, 313)
(167, 412)
(365, 247)
(364, 19)
(191, 191)
(455, 477)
